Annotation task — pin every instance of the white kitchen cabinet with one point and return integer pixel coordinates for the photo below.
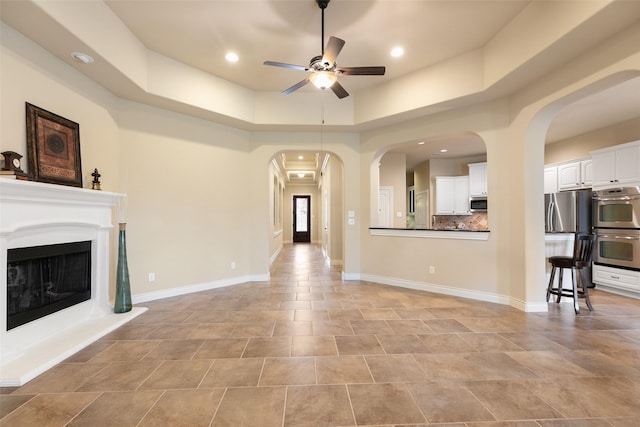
(452, 195)
(624, 281)
(616, 166)
(575, 175)
(478, 179)
(550, 179)
(586, 172)
(462, 195)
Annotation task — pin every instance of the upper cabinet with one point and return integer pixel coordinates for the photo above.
(478, 179)
(575, 175)
(572, 175)
(452, 195)
(550, 179)
(615, 166)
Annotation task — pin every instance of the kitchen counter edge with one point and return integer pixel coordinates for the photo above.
(431, 234)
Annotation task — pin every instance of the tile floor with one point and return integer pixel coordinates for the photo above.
(306, 349)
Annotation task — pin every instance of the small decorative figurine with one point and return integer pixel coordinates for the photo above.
(95, 184)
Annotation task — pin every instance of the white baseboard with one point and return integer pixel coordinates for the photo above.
(275, 255)
(189, 289)
(447, 290)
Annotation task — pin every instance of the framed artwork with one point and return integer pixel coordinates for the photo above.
(53, 148)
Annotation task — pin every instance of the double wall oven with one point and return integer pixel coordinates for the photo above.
(616, 220)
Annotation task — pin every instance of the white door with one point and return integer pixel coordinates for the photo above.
(385, 201)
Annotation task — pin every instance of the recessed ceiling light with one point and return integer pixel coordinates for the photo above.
(421, 143)
(397, 52)
(232, 57)
(300, 175)
(300, 157)
(82, 57)
(444, 150)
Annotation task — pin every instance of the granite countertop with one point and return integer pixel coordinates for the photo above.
(431, 229)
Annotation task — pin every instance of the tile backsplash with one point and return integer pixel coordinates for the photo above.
(476, 221)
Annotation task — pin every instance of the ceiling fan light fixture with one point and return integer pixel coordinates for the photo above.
(323, 79)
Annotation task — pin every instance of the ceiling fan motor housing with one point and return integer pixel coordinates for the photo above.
(316, 64)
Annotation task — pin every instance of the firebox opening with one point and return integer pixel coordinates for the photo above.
(42, 280)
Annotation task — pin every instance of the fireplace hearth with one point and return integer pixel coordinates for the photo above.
(57, 254)
(42, 280)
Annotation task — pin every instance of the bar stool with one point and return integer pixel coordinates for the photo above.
(582, 251)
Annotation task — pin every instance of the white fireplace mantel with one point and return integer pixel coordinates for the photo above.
(34, 214)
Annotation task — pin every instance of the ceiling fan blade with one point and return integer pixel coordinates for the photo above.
(361, 71)
(331, 51)
(339, 90)
(283, 65)
(296, 86)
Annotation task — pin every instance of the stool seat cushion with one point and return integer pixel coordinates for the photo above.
(562, 261)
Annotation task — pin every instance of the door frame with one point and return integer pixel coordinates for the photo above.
(301, 237)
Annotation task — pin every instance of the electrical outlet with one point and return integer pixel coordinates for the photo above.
(152, 277)
(432, 269)
(233, 265)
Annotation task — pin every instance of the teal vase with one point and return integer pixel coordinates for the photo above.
(123, 287)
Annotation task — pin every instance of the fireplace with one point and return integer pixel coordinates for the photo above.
(57, 258)
(42, 280)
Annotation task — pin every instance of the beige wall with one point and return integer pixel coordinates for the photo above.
(581, 145)
(186, 223)
(336, 211)
(393, 173)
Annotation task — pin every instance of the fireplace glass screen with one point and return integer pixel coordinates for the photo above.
(44, 279)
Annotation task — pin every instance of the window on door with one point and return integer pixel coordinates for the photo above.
(302, 219)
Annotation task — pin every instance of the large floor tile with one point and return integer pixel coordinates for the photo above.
(186, 408)
(245, 406)
(384, 404)
(288, 371)
(331, 406)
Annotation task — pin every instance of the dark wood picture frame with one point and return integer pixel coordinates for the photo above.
(53, 147)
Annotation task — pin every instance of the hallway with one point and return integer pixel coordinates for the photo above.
(307, 349)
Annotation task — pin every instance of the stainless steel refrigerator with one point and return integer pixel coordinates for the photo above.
(568, 212)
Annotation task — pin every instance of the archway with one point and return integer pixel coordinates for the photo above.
(528, 203)
(317, 176)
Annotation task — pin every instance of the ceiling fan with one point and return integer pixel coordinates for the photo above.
(323, 69)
